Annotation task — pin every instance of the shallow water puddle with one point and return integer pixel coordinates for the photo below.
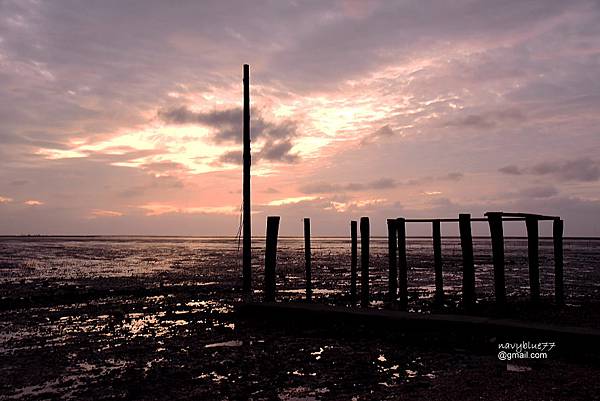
(318, 291)
(299, 373)
(209, 306)
(233, 343)
(517, 368)
(394, 375)
(301, 394)
(214, 376)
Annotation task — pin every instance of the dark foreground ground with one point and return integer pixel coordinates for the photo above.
(154, 319)
(122, 339)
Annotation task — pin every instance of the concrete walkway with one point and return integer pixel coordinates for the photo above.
(567, 338)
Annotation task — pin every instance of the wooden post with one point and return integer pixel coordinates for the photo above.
(437, 260)
(402, 263)
(531, 222)
(557, 234)
(466, 244)
(271, 257)
(247, 215)
(497, 236)
(353, 260)
(364, 261)
(307, 258)
(393, 260)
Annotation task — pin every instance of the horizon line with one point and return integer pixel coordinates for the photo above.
(260, 236)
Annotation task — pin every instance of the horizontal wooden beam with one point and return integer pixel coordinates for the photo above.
(449, 220)
(523, 215)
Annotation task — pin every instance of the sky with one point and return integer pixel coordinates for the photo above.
(124, 117)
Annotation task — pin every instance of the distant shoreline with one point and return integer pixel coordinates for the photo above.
(263, 237)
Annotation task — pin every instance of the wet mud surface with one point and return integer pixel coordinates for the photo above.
(97, 320)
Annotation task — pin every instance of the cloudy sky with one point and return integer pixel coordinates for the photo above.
(124, 117)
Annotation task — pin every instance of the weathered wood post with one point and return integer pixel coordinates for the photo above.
(392, 260)
(557, 235)
(466, 244)
(533, 235)
(307, 257)
(402, 263)
(247, 215)
(497, 236)
(437, 260)
(271, 257)
(364, 261)
(353, 260)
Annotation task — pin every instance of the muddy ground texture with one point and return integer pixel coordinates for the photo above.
(177, 336)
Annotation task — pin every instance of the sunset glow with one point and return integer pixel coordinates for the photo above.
(388, 110)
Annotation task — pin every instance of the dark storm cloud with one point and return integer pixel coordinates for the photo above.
(231, 157)
(227, 127)
(228, 124)
(278, 150)
(182, 115)
(273, 151)
(511, 170)
(582, 169)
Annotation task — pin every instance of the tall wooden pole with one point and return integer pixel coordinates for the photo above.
(271, 258)
(247, 229)
(533, 237)
(557, 233)
(353, 260)
(437, 260)
(466, 244)
(364, 261)
(392, 260)
(307, 258)
(402, 263)
(497, 235)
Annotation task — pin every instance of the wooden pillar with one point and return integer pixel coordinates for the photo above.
(557, 234)
(364, 261)
(247, 215)
(307, 257)
(392, 260)
(271, 257)
(437, 260)
(402, 263)
(353, 261)
(466, 244)
(497, 236)
(533, 235)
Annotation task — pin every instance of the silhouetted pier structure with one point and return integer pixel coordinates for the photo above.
(397, 257)
(397, 295)
(247, 214)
